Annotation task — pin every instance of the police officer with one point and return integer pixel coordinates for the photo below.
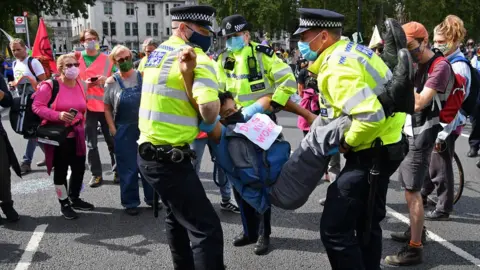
(350, 76)
(168, 123)
(250, 70)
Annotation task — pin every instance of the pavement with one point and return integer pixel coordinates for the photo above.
(107, 238)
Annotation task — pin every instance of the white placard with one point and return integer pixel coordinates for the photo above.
(260, 130)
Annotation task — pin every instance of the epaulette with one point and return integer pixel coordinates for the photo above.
(265, 49)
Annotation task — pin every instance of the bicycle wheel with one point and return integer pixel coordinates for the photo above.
(458, 178)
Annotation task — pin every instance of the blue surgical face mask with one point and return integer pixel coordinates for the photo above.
(307, 53)
(235, 44)
(203, 41)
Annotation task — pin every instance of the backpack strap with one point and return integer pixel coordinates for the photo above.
(30, 67)
(460, 59)
(55, 90)
(117, 78)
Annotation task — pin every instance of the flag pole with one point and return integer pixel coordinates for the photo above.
(28, 35)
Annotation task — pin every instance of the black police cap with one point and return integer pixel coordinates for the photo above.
(233, 24)
(202, 15)
(318, 18)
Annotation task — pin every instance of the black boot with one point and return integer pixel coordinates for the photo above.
(9, 211)
(398, 95)
(261, 247)
(242, 240)
(395, 40)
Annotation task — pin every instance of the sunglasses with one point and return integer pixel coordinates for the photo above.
(71, 65)
(121, 60)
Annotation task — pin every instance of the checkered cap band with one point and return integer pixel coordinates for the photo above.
(193, 17)
(319, 23)
(239, 27)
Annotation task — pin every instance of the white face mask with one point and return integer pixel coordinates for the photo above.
(91, 45)
(72, 73)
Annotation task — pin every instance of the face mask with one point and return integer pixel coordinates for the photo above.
(444, 48)
(307, 53)
(125, 66)
(203, 41)
(236, 117)
(235, 44)
(91, 45)
(72, 73)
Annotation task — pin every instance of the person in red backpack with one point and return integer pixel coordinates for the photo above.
(447, 38)
(432, 78)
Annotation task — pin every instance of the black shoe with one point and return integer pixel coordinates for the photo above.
(435, 215)
(395, 40)
(10, 213)
(472, 153)
(406, 256)
(261, 247)
(79, 204)
(132, 211)
(229, 206)
(243, 240)
(42, 163)
(68, 212)
(96, 181)
(25, 168)
(405, 236)
(398, 95)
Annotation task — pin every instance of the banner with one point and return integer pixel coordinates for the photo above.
(42, 46)
(260, 130)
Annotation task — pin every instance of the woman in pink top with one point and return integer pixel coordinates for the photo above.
(72, 151)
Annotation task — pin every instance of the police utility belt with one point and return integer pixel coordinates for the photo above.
(162, 153)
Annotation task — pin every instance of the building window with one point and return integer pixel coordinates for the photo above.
(168, 31)
(105, 28)
(130, 9)
(59, 24)
(107, 8)
(134, 29)
(113, 28)
(176, 5)
(151, 9)
(149, 29)
(128, 44)
(167, 10)
(127, 29)
(155, 29)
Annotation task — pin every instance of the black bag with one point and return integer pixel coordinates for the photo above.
(53, 134)
(470, 103)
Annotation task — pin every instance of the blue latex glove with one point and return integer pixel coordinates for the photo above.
(208, 128)
(251, 110)
(333, 151)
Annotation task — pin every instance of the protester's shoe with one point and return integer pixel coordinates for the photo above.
(10, 214)
(67, 210)
(261, 247)
(41, 163)
(398, 95)
(116, 179)
(405, 236)
(96, 181)
(435, 215)
(322, 201)
(132, 211)
(79, 204)
(229, 206)
(408, 255)
(25, 168)
(243, 240)
(472, 153)
(395, 40)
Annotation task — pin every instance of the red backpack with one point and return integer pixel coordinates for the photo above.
(451, 101)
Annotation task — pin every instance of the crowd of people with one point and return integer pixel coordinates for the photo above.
(158, 115)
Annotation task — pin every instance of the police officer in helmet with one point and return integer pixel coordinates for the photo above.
(352, 77)
(168, 123)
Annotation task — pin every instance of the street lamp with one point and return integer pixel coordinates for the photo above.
(136, 14)
(111, 43)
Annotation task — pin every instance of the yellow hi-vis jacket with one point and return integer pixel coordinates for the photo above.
(350, 76)
(166, 116)
(275, 77)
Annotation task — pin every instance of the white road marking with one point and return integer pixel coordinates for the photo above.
(465, 135)
(460, 252)
(31, 248)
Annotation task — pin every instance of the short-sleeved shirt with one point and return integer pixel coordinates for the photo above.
(21, 68)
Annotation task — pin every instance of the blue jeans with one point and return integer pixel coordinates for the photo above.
(30, 150)
(199, 147)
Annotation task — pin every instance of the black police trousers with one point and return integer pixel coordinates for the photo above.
(342, 225)
(193, 228)
(254, 223)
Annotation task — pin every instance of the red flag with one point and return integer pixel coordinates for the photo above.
(42, 46)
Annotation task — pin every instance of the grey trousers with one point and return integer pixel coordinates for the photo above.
(5, 174)
(91, 124)
(441, 176)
